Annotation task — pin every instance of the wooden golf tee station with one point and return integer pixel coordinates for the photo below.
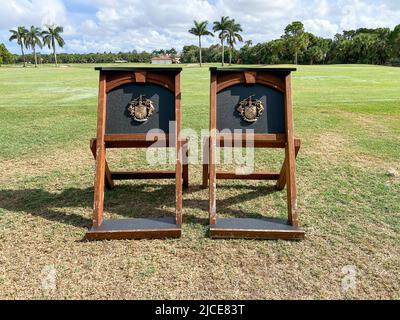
(258, 99)
(131, 102)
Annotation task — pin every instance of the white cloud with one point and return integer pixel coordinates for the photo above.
(25, 12)
(323, 28)
(125, 25)
(323, 8)
(366, 13)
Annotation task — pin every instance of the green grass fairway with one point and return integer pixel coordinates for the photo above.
(348, 173)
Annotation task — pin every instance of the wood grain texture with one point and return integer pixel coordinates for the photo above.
(225, 175)
(135, 228)
(260, 140)
(272, 80)
(139, 140)
(281, 183)
(98, 202)
(212, 207)
(178, 151)
(140, 76)
(250, 77)
(115, 80)
(138, 175)
(290, 156)
(205, 159)
(134, 234)
(109, 183)
(185, 165)
(111, 176)
(256, 234)
(252, 228)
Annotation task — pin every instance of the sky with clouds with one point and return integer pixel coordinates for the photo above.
(125, 25)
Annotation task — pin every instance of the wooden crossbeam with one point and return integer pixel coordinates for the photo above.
(111, 176)
(280, 177)
(143, 175)
(252, 176)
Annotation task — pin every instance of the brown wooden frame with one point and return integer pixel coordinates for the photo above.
(280, 80)
(111, 78)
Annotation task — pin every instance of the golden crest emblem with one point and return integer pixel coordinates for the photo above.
(141, 109)
(250, 109)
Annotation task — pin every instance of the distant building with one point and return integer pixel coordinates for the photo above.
(162, 59)
(177, 59)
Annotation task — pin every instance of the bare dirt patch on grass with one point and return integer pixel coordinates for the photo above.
(335, 148)
(42, 163)
(330, 147)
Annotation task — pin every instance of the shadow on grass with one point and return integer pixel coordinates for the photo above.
(225, 205)
(138, 200)
(141, 200)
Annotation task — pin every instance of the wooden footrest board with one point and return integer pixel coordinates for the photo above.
(139, 228)
(249, 228)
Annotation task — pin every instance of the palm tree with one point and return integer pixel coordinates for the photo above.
(222, 26)
(20, 36)
(33, 39)
(200, 29)
(233, 35)
(51, 36)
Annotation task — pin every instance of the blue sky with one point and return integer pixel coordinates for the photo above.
(125, 25)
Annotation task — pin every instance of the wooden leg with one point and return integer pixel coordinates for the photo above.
(178, 153)
(213, 202)
(185, 166)
(211, 148)
(98, 204)
(205, 176)
(205, 157)
(291, 187)
(109, 182)
(178, 191)
(100, 155)
(281, 183)
(290, 156)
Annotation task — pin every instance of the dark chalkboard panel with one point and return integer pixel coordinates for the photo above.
(271, 121)
(118, 119)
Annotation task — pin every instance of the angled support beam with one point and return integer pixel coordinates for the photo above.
(281, 183)
(109, 182)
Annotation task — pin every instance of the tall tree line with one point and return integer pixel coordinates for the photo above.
(296, 45)
(105, 57)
